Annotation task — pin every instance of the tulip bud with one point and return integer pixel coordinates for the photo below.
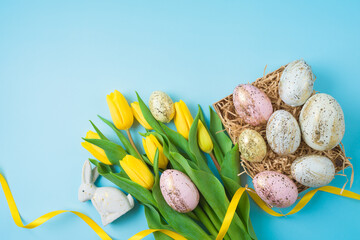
(97, 152)
(183, 119)
(120, 110)
(150, 144)
(137, 171)
(204, 139)
(139, 116)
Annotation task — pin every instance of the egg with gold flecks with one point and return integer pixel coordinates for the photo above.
(252, 146)
(296, 83)
(276, 189)
(252, 104)
(161, 106)
(322, 122)
(283, 133)
(179, 192)
(313, 170)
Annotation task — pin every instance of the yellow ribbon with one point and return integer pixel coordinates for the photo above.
(223, 229)
(37, 222)
(144, 233)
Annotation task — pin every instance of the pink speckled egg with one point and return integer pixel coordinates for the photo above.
(179, 191)
(252, 104)
(275, 189)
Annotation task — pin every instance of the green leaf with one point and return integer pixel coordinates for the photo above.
(155, 221)
(129, 148)
(146, 159)
(229, 175)
(105, 168)
(231, 165)
(168, 147)
(156, 163)
(114, 152)
(101, 135)
(178, 140)
(194, 146)
(181, 223)
(148, 116)
(213, 191)
(216, 129)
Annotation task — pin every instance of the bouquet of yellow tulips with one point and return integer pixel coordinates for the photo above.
(184, 150)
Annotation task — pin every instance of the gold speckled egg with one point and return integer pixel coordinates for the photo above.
(252, 146)
(161, 106)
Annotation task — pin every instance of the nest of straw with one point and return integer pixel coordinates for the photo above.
(234, 125)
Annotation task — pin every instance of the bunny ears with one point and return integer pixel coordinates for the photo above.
(89, 175)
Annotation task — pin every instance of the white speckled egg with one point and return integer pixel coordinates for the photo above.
(275, 189)
(283, 133)
(179, 191)
(313, 170)
(322, 122)
(161, 106)
(296, 83)
(252, 104)
(252, 146)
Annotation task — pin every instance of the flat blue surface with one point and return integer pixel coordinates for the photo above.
(59, 59)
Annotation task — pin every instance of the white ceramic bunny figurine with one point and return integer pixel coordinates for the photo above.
(110, 202)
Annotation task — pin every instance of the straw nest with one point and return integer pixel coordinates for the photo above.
(234, 125)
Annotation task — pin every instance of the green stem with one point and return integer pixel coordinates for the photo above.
(213, 158)
(133, 144)
(213, 217)
(211, 214)
(193, 216)
(204, 219)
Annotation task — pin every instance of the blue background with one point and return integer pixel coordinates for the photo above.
(59, 59)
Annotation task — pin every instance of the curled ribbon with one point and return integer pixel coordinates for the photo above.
(37, 222)
(223, 229)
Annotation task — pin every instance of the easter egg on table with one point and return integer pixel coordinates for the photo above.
(275, 189)
(322, 122)
(161, 106)
(179, 191)
(283, 133)
(296, 83)
(252, 104)
(252, 146)
(313, 170)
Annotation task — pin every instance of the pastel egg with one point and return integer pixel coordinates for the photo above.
(275, 189)
(161, 106)
(252, 104)
(313, 170)
(252, 146)
(179, 191)
(322, 122)
(283, 133)
(296, 83)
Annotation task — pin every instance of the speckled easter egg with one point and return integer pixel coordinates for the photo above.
(161, 106)
(313, 170)
(252, 146)
(252, 104)
(179, 191)
(296, 83)
(275, 189)
(322, 122)
(283, 133)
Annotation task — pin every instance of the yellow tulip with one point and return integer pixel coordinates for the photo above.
(120, 110)
(183, 119)
(204, 139)
(139, 116)
(150, 144)
(137, 171)
(97, 152)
